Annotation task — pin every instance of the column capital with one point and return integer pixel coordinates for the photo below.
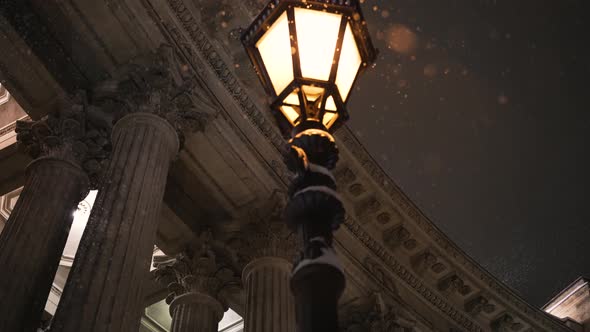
(77, 133)
(195, 271)
(160, 83)
(266, 234)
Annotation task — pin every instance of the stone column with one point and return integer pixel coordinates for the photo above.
(195, 280)
(103, 292)
(155, 99)
(195, 312)
(269, 303)
(35, 234)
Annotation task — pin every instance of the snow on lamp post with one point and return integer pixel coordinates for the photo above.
(308, 55)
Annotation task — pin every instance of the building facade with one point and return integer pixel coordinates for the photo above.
(149, 114)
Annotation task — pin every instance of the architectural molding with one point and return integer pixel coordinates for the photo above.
(373, 314)
(158, 83)
(382, 183)
(411, 280)
(404, 244)
(203, 268)
(4, 96)
(188, 36)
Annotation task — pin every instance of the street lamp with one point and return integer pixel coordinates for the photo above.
(308, 54)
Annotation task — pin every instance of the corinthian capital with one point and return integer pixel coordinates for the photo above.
(203, 268)
(266, 234)
(160, 83)
(77, 132)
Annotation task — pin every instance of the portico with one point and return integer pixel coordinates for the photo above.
(185, 157)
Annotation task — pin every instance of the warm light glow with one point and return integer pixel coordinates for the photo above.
(317, 34)
(290, 113)
(349, 64)
(330, 104)
(329, 119)
(312, 93)
(308, 56)
(292, 99)
(275, 50)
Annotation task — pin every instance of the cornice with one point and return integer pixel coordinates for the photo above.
(410, 278)
(188, 35)
(449, 249)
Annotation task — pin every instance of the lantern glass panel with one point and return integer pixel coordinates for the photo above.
(291, 114)
(349, 64)
(330, 104)
(275, 50)
(292, 99)
(329, 119)
(317, 34)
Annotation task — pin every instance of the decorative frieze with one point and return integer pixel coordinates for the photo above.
(423, 261)
(196, 41)
(376, 270)
(395, 236)
(344, 176)
(410, 279)
(506, 323)
(438, 267)
(453, 284)
(479, 304)
(372, 314)
(366, 208)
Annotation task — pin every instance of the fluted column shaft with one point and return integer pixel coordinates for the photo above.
(195, 312)
(269, 303)
(103, 292)
(34, 237)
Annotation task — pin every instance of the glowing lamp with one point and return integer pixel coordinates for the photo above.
(308, 55)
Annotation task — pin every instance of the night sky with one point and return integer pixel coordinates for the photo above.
(478, 110)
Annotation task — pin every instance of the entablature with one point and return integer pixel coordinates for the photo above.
(238, 162)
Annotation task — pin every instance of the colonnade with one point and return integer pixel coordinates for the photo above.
(104, 288)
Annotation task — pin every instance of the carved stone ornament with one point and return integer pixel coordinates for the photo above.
(478, 304)
(162, 84)
(453, 284)
(265, 234)
(202, 268)
(77, 132)
(506, 323)
(423, 261)
(395, 236)
(186, 29)
(372, 314)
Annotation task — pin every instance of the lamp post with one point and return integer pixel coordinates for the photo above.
(308, 54)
